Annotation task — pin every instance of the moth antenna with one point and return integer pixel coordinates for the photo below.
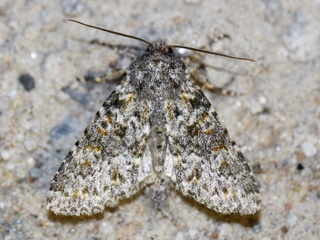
(113, 32)
(213, 53)
(150, 43)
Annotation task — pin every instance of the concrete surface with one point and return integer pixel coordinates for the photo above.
(43, 110)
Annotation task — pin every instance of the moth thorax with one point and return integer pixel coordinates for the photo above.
(159, 78)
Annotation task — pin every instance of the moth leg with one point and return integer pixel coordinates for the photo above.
(197, 58)
(114, 75)
(107, 77)
(202, 81)
(121, 49)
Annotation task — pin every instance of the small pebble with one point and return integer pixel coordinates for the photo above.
(27, 81)
(309, 149)
(300, 167)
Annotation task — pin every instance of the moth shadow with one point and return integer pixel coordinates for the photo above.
(244, 220)
(73, 219)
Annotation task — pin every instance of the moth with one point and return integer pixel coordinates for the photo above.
(156, 130)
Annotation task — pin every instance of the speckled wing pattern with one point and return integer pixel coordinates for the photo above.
(157, 128)
(109, 162)
(201, 159)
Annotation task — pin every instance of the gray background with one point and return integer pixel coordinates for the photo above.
(275, 122)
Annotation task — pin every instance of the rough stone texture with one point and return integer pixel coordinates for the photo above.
(275, 122)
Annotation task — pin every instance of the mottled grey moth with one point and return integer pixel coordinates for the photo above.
(156, 130)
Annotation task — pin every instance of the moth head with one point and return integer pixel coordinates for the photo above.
(160, 46)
